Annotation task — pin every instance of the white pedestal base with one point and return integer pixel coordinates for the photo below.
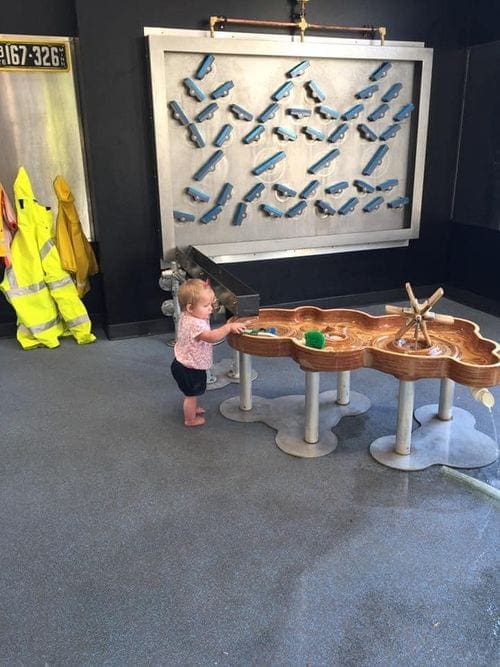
(286, 415)
(455, 443)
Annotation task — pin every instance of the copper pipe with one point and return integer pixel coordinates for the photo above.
(302, 25)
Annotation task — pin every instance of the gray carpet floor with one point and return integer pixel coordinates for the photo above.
(128, 539)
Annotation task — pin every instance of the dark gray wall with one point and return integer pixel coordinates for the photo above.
(118, 129)
(38, 17)
(477, 199)
(474, 246)
(483, 24)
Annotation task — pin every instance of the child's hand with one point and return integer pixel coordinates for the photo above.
(236, 327)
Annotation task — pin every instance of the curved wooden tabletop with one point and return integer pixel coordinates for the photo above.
(354, 339)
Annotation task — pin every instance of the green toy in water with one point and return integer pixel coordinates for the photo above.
(314, 339)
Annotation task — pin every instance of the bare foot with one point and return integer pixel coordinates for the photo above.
(200, 411)
(197, 421)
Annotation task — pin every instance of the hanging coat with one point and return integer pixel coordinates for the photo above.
(76, 253)
(8, 226)
(40, 290)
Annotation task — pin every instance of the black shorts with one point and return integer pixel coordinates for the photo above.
(191, 381)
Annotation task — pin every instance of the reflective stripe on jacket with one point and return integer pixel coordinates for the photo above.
(40, 290)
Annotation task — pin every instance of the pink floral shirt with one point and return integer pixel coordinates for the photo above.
(189, 351)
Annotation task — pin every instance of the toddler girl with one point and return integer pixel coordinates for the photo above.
(193, 348)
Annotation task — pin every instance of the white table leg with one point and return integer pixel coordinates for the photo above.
(245, 365)
(405, 417)
(343, 387)
(446, 392)
(311, 431)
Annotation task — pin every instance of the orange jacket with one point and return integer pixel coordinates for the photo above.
(8, 225)
(75, 251)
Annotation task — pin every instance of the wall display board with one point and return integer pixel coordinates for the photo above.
(39, 118)
(269, 147)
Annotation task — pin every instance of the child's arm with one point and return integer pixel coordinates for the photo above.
(215, 335)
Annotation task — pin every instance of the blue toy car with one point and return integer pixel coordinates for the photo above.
(353, 112)
(197, 195)
(240, 112)
(272, 211)
(366, 132)
(222, 90)
(367, 92)
(310, 189)
(255, 192)
(376, 160)
(193, 90)
(268, 112)
(284, 190)
(404, 112)
(373, 205)
(299, 112)
(349, 206)
(315, 91)
(336, 188)
(324, 207)
(392, 92)
(270, 163)
(379, 112)
(207, 112)
(223, 135)
(338, 133)
(297, 209)
(239, 214)
(363, 186)
(399, 202)
(211, 215)
(313, 134)
(298, 69)
(380, 72)
(283, 91)
(225, 194)
(253, 135)
(180, 216)
(387, 185)
(205, 67)
(327, 112)
(285, 133)
(178, 112)
(209, 165)
(389, 132)
(323, 162)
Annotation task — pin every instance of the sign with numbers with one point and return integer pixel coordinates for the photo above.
(34, 55)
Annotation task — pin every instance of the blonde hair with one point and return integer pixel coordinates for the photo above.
(192, 291)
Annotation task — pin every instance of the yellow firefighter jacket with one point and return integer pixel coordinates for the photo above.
(40, 290)
(75, 251)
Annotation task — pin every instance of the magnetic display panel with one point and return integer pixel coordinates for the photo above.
(274, 148)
